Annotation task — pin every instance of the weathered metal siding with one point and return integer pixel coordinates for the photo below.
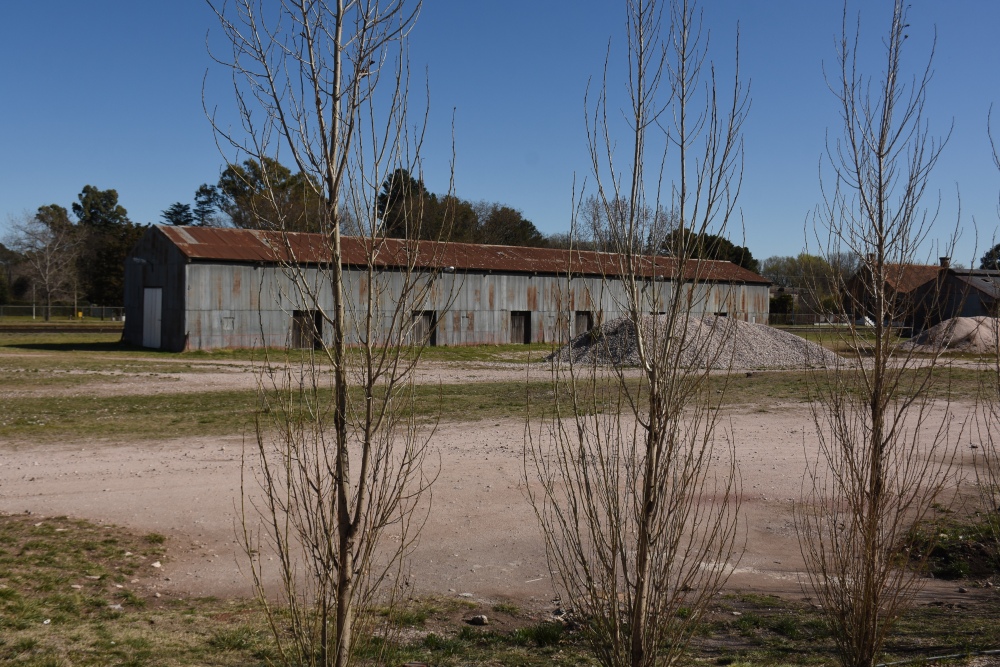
(209, 305)
(233, 305)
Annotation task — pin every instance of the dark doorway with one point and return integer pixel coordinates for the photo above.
(425, 327)
(584, 322)
(307, 329)
(520, 326)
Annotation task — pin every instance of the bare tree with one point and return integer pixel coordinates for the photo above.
(49, 246)
(341, 456)
(988, 418)
(884, 456)
(987, 461)
(639, 527)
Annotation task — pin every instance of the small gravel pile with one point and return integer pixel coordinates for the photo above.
(962, 334)
(716, 342)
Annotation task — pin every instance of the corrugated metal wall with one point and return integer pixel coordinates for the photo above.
(156, 262)
(209, 305)
(246, 306)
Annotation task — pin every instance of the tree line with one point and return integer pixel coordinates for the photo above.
(77, 254)
(69, 255)
(265, 194)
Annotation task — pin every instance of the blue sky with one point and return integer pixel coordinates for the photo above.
(109, 93)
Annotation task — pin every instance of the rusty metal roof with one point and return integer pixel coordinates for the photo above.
(244, 245)
(904, 278)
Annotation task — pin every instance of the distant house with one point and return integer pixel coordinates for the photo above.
(903, 282)
(200, 288)
(957, 293)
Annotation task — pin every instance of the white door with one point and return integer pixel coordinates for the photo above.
(152, 316)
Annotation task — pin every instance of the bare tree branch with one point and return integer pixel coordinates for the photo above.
(884, 459)
(341, 455)
(640, 522)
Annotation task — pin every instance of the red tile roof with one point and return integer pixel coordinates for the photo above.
(244, 245)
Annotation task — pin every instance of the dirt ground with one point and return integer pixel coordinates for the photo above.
(481, 538)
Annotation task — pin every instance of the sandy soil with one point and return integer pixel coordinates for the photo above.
(481, 538)
(239, 375)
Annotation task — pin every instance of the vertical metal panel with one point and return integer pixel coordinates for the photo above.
(238, 305)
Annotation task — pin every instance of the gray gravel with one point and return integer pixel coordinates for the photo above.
(713, 342)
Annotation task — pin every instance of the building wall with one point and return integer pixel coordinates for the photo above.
(210, 305)
(233, 305)
(949, 297)
(156, 262)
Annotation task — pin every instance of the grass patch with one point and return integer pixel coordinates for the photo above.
(59, 578)
(137, 417)
(66, 572)
(59, 571)
(764, 630)
(958, 547)
(507, 608)
(46, 419)
(239, 638)
(530, 646)
(762, 388)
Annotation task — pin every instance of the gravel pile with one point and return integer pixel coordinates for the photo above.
(716, 342)
(962, 334)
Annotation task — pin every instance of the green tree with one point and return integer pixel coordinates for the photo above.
(206, 200)
(178, 214)
(802, 271)
(461, 218)
(8, 260)
(450, 218)
(710, 246)
(816, 278)
(267, 195)
(108, 235)
(502, 225)
(99, 210)
(991, 260)
(403, 201)
(407, 209)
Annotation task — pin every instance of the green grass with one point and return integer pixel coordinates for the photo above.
(957, 546)
(507, 608)
(841, 340)
(32, 364)
(40, 418)
(38, 361)
(68, 596)
(46, 419)
(67, 572)
(837, 339)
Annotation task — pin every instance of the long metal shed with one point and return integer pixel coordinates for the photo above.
(201, 288)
